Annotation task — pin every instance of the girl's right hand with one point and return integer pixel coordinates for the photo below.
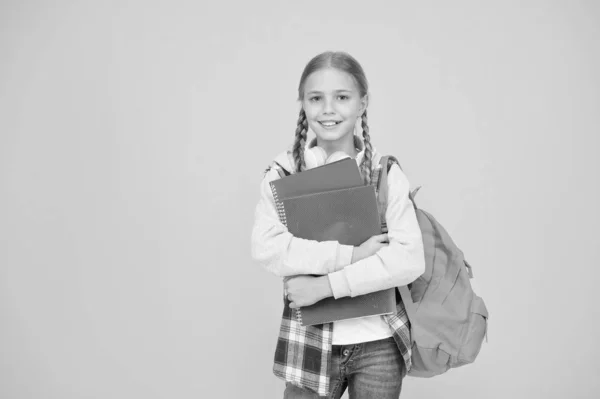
(370, 247)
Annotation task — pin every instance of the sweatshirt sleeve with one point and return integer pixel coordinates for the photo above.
(397, 264)
(282, 254)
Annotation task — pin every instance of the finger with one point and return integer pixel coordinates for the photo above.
(293, 305)
(288, 278)
(382, 238)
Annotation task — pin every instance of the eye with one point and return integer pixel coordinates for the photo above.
(315, 98)
(343, 97)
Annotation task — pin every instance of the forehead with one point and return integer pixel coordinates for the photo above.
(329, 80)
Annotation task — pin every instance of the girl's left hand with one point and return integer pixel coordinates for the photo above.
(307, 290)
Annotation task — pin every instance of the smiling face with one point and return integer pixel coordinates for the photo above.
(333, 104)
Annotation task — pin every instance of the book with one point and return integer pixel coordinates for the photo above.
(332, 176)
(349, 216)
(330, 309)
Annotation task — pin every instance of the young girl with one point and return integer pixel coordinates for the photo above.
(368, 356)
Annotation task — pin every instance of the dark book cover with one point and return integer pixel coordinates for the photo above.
(349, 216)
(332, 176)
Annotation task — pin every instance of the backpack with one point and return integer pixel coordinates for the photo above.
(448, 320)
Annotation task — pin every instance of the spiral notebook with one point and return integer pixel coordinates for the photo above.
(349, 216)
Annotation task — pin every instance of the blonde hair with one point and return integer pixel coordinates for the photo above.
(344, 62)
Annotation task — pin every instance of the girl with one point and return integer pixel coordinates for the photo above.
(368, 356)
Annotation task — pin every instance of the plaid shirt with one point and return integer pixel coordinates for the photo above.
(303, 354)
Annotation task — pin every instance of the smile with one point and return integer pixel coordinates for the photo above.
(329, 123)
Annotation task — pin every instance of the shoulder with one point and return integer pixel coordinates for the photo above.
(396, 175)
(392, 164)
(396, 178)
(283, 160)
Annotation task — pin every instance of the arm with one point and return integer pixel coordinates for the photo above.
(397, 264)
(278, 251)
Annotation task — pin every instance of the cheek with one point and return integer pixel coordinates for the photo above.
(310, 117)
(311, 111)
(350, 110)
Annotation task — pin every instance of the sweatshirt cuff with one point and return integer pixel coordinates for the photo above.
(344, 256)
(339, 284)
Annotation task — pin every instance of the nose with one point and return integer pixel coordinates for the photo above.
(328, 106)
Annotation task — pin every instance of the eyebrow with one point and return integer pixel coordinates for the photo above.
(335, 91)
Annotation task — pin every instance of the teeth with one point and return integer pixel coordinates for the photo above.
(329, 123)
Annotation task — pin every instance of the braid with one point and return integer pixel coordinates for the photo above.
(300, 140)
(365, 165)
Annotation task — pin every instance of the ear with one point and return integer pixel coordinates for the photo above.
(364, 103)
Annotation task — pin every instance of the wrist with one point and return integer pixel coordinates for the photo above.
(326, 287)
(355, 255)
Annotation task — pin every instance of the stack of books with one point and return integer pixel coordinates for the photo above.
(331, 203)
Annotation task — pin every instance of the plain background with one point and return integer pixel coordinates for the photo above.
(134, 135)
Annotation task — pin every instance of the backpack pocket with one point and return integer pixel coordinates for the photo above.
(428, 362)
(428, 357)
(475, 332)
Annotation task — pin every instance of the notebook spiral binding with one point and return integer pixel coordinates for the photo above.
(279, 206)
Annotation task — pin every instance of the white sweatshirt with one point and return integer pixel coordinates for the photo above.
(397, 264)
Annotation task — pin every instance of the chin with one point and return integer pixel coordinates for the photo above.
(332, 135)
(329, 136)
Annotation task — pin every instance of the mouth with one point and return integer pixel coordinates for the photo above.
(329, 124)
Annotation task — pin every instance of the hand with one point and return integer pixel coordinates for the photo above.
(306, 290)
(370, 247)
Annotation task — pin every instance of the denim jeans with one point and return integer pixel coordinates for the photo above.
(372, 370)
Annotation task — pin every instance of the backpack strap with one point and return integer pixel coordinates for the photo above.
(388, 161)
(381, 188)
(379, 180)
(280, 169)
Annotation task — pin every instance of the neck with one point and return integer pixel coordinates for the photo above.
(345, 144)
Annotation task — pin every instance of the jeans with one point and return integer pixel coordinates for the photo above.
(372, 370)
